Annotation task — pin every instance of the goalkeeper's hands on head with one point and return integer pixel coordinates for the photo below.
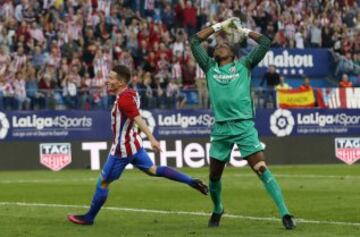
(233, 27)
(239, 27)
(226, 25)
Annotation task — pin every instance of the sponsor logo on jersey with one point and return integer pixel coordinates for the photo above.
(347, 149)
(4, 126)
(55, 156)
(225, 79)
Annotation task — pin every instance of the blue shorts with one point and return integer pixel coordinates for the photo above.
(114, 166)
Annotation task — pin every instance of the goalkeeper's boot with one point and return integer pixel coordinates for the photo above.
(200, 186)
(79, 220)
(215, 219)
(288, 222)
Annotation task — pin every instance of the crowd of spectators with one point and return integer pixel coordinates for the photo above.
(59, 52)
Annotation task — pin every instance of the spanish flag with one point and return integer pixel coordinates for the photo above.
(295, 98)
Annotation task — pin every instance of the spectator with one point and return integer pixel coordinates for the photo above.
(201, 86)
(5, 60)
(178, 46)
(306, 85)
(19, 60)
(84, 87)
(176, 72)
(32, 90)
(38, 58)
(162, 67)
(188, 71)
(299, 38)
(159, 92)
(70, 86)
(282, 85)
(326, 35)
(167, 17)
(172, 93)
(315, 35)
(36, 33)
(271, 78)
(345, 83)
(9, 93)
(149, 102)
(46, 87)
(190, 19)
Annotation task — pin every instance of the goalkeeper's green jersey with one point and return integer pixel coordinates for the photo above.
(229, 85)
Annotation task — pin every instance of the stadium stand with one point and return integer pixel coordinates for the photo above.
(57, 54)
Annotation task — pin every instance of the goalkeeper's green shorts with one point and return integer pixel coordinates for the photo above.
(240, 132)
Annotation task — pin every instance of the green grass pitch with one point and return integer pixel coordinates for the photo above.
(324, 198)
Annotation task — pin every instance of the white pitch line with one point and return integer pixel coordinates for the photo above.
(24, 181)
(124, 209)
(305, 176)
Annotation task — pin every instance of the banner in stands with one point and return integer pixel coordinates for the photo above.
(295, 98)
(53, 126)
(335, 98)
(296, 62)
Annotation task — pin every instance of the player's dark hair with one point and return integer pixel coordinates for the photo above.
(123, 72)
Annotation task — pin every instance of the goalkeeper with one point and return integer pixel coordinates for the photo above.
(229, 89)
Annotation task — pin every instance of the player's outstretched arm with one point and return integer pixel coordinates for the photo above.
(198, 51)
(145, 129)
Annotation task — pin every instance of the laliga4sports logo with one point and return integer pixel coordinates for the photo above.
(4, 125)
(282, 122)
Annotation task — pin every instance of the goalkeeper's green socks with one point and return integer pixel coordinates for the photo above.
(215, 193)
(273, 188)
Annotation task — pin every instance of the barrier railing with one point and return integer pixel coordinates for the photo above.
(152, 99)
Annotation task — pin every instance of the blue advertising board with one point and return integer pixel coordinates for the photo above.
(95, 125)
(296, 62)
(54, 125)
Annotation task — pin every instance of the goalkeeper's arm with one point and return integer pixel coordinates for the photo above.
(259, 51)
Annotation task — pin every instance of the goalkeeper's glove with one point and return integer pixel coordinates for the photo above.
(226, 25)
(244, 32)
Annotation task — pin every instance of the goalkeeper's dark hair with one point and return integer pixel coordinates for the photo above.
(123, 72)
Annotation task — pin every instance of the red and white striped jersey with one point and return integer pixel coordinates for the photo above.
(126, 140)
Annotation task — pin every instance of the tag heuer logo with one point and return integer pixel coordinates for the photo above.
(347, 149)
(55, 156)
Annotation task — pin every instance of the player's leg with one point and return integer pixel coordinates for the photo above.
(112, 170)
(216, 170)
(143, 162)
(219, 152)
(258, 164)
(252, 150)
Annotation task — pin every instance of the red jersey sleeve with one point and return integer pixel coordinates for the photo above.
(127, 105)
